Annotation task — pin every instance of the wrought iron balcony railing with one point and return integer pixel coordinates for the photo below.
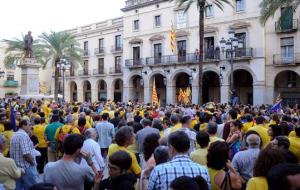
(100, 51)
(115, 70)
(84, 73)
(286, 26)
(85, 53)
(290, 59)
(99, 71)
(241, 53)
(116, 49)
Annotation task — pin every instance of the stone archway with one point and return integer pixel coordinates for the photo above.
(73, 91)
(183, 81)
(102, 90)
(211, 87)
(87, 91)
(118, 90)
(160, 83)
(287, 85)
(136, 88)
(243, 86)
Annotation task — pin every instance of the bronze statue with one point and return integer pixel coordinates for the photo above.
(28, 45)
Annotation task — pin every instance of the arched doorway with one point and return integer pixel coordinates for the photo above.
(211, 87)
(287, 85)
(118, 88)
(160, 83)
(136, 89)
(73, 92)
(243, 86)
(87, 91)
(183, 84)
(102, 90)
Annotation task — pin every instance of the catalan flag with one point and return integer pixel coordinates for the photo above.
(173, 38)
(154, 94)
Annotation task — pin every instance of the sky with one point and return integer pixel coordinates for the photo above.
(17, 17)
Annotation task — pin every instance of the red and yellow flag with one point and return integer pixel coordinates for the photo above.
(154, 94)
(173, 39)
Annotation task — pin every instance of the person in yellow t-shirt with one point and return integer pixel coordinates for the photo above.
(39, 131)
(295, 143)
(2, 121)
(248, 124)
(261, 130)
(267, 158)
(199, 155)
(125, 137)
(176, 124)
(8, 133)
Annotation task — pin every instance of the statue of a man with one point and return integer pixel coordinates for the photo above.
(28, 45)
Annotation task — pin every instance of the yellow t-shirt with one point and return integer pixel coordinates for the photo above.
(39, 132)
(134, 168)
(203, 127)
(87, 125)
(247, 126)
(66, 129)
(263, 133)
(292, 134)
(176, 127)
(199, 156)
(295, 146)
(8, 135)
(257, 183)
(1, 128)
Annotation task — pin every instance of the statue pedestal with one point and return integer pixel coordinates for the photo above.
(29, 77)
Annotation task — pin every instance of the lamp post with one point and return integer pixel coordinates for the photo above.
(231, 46)
(63, 65)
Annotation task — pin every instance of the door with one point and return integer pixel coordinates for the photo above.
(209, 47)
(181, 50)
(136, 55)
(157, 53)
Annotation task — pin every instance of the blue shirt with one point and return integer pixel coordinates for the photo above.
(243, 162)
(106, 132)
(181, 165)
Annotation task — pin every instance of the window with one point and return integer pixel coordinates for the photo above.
(118, 43)
(209, 47)
(136, 25)
(101, 66)
(157, 21)
(10, 77)
(286, 20)
(157, 53)
(240, 5)
(209, 11)
(86, 47)
(291, 79)
(287, 50)
(101, 44)
(136, 55)
(181, 19)
(85, 67)
(118, 64)
(243, 37)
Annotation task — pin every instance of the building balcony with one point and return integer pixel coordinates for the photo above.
(11, 83)
(99, 71)
(241, 54)
(70, 74)
(85, 53)
(99, 51)
(134, 62)
(286, 26)
(84, 73)
(115, 70)
(286, 60)
(116, 49)
(131, 4)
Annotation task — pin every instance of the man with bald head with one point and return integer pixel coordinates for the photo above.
(244, 161)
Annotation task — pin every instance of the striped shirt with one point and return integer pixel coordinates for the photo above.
(181, 165)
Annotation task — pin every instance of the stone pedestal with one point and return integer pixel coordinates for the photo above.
(29, 77)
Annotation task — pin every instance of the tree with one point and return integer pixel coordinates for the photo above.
(15, 52)
(60, 45)
(201, 9)
(269, 7)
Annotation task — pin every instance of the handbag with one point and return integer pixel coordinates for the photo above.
(226, 184)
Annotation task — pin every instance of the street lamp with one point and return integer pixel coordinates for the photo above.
(229, 47)
(63, 65)
(222, 68)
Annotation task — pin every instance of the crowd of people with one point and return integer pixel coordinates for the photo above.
(130, 146)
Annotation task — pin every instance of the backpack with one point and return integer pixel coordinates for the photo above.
(61, 137)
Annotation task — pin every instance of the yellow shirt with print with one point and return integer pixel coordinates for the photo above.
(39, 132)
(8, 135)
(176, 127)
(67, 129)
(135, 167)
(295, 146)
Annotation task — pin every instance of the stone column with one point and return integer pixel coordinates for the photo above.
(80, 94)
(258, 93)
(110, 92)
(225, 98)
(269, 95)
(29, 77)
(126, 93)
(94, 93)
(195, 94)
(147, 94)
(171, 94)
